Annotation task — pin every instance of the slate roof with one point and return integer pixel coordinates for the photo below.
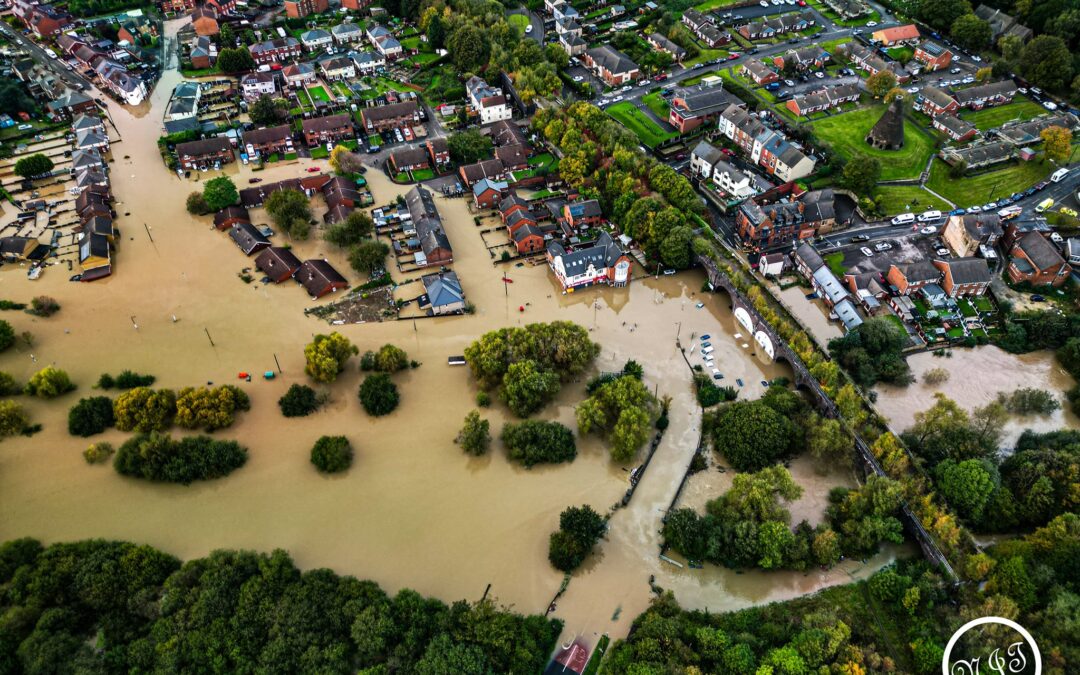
(278, 263)
(611, 59)
(443, 288)
(426, 220)
(248, 238)
(985, 91)
(969, 270)
(1039, 251)
(600, 255)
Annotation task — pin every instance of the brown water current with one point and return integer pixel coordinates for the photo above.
(976, 377)
(413, 510)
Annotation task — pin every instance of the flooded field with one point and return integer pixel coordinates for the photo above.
(976, 377)
(414, 510)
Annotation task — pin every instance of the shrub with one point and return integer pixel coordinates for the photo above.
(44, 306)
(935, 376)
(13, 419)
(483, 399)
(143, 409)
(8, 385)
(299, 401)
(579, 530)
(7, 335)
(751, 435)
(98, 453)
(210, 409)
(196, 204)
(90, 416)
(49, 382)
(378, 395)
(129, 380)
(535, 442)
(475, 435)
(326, 355)
(332, 454)
(158, 457)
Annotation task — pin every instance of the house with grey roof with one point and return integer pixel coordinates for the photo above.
(611, 65)
(443, 293)
(602, 263)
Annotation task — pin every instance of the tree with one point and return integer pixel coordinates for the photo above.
(861, 174)
(580, 527)
(534, 442)
(1047, 62)
(469, 146)
(469, 48)
(332, 454)
(14, 98)
(196, 204)
(299, 401)
(1068, 355)
(143, 409)
(368, 255)
(619, 408)
(33, 166)
(325, 356)
(290, 211)
(752, 435)
(675, 248)
(235, 60)
(971, 32)
(984, 74)
(90, 416)
(828, 442)
(98, 453)
(1057, 143)
(391, 358)
(378, 395)
(896, 93)
(344, 162)
(158, 457)
(475, 436)
(8, 385)
(942, 13)
(880, 83)
(49, 382)
(966, 485)
(526, 387)
(209, 409)
(220, 192)
(44, 305)
(267, 111)
(13, 419)
(7, 335)
(350, 231)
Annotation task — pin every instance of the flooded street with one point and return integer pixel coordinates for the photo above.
(976, 377)
(413, 510)
(813, 314)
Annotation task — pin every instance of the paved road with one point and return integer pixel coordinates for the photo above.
(537, 23)
(71, 78)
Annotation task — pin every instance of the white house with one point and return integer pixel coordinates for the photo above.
(346, 32)
(488, 101)
(384, 42)
(732, 181)
(254, 85)
(368, 62)
(316, 39)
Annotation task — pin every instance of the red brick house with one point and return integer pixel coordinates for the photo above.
(410, 159)
(512, 204)
(933, 102)
(229, 216)
(195, 155)
(205, 20)
(319, 278)
(933, 55)
(391, 116)
(487, 194)
(897, 35)
(1036, 261)
(296, 9)
(276, 51)
(329, 129)
(964, 276)
(910, 277)
(278, 263)
(268, 141)
(528, 238)
(760, 73)
(439, 151)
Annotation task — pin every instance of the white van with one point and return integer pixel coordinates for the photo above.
(1044, 205)
(707, 350)
(928, 216)
(904, 219)
(1059, 174)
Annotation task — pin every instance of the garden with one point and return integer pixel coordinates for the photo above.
(894, 199)
(644, 128)
(1020, 109)
(983, 187)
(845, 133)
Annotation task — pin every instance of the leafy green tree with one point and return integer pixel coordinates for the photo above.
(967, 486)
(220, 192)
(752, 435)
(881, 83)
(579, 530)
(345, 162)
(535, 442)
(299, 401)
(475, 436)
(861, 174)
(210, 409)
(13, 419)
(1057, 143)
(378, 395)
(620, 409)
(143, 409)
(267, 111)
(90, 416)
(971, 32)
(158, 457)
(942, 13)
(196, 204)
(332, 454)
(1047, 62)
(290, 211)
(469, 48)
(675, 249)
(828, 442)
(368, 256)
(7, 335)
(469, 146)
(326, 355)
(98, 453)
(526, 388)
(8, 385)
(391, 358)
(49, 382)
(350, 231)
(562, 347)
(14, 98)
(236, 60)
(33, 166)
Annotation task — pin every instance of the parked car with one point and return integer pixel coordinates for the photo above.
(871, 24)
(819, 75)
(732, 56)
(1038, 298)
(942, 251)
(867, 252)
(930, 229)
(883, 246)
(860, 238)
(789, 83)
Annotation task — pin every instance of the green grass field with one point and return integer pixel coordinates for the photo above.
(657, 104)
(904, 198)
(319, 93)
(845, 133)
(633, 119)
(519, 21)
(901, 54)
(710, 5)
(981, 188)
(423, 174)
(1021, 108)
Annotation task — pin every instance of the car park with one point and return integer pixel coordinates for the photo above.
(867, 252)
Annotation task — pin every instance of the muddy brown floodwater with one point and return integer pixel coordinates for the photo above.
(976, 377)
(413, 510)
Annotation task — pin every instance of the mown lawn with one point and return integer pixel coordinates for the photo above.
(981, 188)
(423, 174)
(709, 5)
(835, 261)
(319, 93)
(1021, 108)
(657, 104)
(904, 198)
(520, 21)
(845, 133)
(645, 129)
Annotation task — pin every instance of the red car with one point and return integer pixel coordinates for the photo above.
(728, 152)
(313, 169)
(733, 56)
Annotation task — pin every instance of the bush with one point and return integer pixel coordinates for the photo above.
(143, 409)
(1029, 401)
(196, 204)
(299, 401)
(325, 356)
(8, 385)
(158, 457)
(535, 442)
(13, 419)
(49, 382)
(483, 399)
(332, 454)
(129, 380)
(378, 395)
(7, 335)
(475, 436)
(579, 530)
(752, 436)
(44, 306)
(98, 453)
(210, 409)
(90, 416)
